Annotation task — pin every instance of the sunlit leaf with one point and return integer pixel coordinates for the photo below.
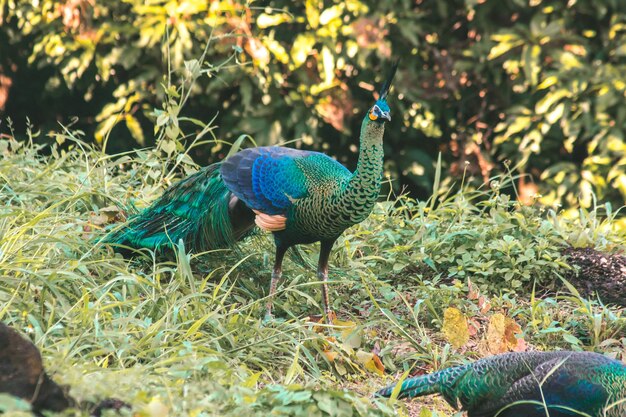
(267, 20)
(555, 114)
(328, 62)
(550, 99)
(135, 129)
(531, 54)
(547, 82)
(312, 8)
(330, 13)
(155, 408)
(506, 42)
(301, 48)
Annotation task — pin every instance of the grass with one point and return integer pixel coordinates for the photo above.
(184, 336)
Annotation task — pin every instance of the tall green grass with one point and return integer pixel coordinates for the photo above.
(186, 333)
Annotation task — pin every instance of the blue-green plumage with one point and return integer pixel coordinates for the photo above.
(182, 212)
(525, 384)
(309, 195)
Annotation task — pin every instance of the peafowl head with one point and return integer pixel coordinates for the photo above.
(380, 110)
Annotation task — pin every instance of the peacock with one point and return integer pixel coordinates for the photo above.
(300, 196)
(524, 384)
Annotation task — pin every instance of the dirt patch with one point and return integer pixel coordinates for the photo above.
(598, 274)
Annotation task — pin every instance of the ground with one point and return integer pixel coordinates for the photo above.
(418, 286)
(598, 274)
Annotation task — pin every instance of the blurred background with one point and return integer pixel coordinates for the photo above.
(535, 87)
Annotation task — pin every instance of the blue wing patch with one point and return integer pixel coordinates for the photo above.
(266, 178)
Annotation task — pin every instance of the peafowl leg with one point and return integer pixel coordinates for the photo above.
(322, 274)
(277, 273)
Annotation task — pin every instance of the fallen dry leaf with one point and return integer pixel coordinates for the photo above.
(330, 355)
(371, 362)
(455, 327)
(501, 333)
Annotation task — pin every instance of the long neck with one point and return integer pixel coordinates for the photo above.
(362, 189)
(369, 168)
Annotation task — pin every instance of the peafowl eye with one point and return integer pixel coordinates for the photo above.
(380, 112)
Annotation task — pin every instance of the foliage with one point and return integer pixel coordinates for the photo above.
(297, 402)
(538, 83)
(498, 243)
(184, 336)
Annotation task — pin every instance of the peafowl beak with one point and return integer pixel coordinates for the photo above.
(385, 115)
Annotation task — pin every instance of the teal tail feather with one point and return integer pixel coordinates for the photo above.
(441, 382)
(199, 209)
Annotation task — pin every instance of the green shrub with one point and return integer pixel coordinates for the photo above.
(538, 83)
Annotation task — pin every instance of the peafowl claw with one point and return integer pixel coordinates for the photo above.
(331, 317)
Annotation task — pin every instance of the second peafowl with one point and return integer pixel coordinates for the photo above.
(528, 384)
(300, 196)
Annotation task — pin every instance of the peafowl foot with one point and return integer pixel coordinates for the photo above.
(331, 317)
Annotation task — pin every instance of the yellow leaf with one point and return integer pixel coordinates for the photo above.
(328, 63)
(267, 20)
(425, 412)
(251, 381)
(105, 127)
(555, 115)
(550, 99)
(330, 14)
(135, 129)
(371, 362)
(330, 355)
(350, 333)
(455, 327)
(511, 328)
(155, 408)
(312, 13)
(548, 82)
(501, 333)
(277, 50)
(301, 48)
(495, 334)
(502, 48)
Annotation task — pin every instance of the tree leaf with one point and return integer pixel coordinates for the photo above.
(312, 8)
(135, 129)
(301, 48)
(550, 99)
(268, 20)
(503, 47)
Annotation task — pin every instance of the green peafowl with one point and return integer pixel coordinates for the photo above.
(300, 196)
(508, 385)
